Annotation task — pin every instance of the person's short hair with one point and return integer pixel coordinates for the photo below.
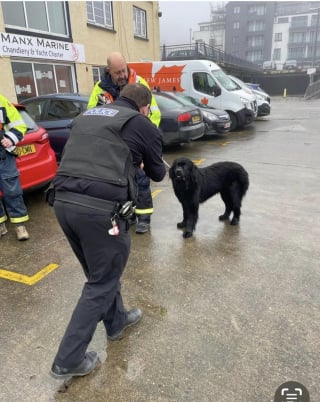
(139, 93)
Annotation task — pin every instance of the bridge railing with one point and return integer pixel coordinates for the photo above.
(204, 51)
(313, 90)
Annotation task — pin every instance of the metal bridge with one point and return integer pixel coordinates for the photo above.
(275, 82)
(229, 63)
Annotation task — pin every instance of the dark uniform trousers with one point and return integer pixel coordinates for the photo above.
(103, 258)
(144, 205)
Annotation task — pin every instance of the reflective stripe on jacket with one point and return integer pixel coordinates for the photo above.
(11, 121)
(98, 94)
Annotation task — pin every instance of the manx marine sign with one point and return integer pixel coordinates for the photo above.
(40, 48)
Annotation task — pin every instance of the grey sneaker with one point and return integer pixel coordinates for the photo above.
(22, 233)
(3, 229)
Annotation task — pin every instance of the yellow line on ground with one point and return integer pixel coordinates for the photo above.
(155, 193)
(28, 280)
(198, 161)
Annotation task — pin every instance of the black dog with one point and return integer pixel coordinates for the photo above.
(193, 185)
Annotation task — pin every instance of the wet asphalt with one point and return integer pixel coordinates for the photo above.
(228, 315)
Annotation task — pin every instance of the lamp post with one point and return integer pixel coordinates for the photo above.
(190, 30)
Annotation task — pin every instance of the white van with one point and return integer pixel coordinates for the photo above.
(203, 80)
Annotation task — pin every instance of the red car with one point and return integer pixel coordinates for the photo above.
(36, 161)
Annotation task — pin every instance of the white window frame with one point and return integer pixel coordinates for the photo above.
(48, 20)
(140, 22)
(107, 14)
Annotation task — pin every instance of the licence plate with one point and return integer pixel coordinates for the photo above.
(226, 125)
(195, 119)
(25, 150)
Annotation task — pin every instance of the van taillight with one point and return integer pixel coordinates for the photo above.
(184, 117)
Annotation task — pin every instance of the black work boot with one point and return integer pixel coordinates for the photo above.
(88, 364)
(143, 224)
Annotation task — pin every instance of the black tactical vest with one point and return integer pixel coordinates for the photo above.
(95, 149)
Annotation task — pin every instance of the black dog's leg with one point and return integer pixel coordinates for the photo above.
(190, 215)
(182, 224)
(236, 196)
(226, 198)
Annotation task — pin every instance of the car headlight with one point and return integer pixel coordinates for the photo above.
(209, 116)
(261, 97)
(245, 102)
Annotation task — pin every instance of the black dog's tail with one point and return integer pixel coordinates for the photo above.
(244, 182)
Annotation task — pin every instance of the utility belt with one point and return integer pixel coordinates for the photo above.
(123, 211)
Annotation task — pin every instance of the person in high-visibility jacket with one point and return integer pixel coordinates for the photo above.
(12, 130)
(107, 90)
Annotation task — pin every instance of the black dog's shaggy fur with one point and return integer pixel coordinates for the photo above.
(193, 185)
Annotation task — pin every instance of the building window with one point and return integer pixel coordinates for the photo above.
(235, 40)
(100, 13)
(97, 73)
(254, 56)
(236, 10)
(296, 53)
(283, 20)
(277, 54)
(139, 22)
(33, 79)
(236, 25)
(254, 41)
(37, 16)
(278, 37)
(299, 21)
(254, 26)
(297, 37)
(259, 10)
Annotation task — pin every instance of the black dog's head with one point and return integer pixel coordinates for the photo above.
(183, 171)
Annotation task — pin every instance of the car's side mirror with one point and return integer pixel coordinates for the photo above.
(216, 90)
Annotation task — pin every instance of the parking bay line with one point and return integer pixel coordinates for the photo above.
(26, 279)
(31, 280)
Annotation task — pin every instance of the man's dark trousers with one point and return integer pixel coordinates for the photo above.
(103, 258)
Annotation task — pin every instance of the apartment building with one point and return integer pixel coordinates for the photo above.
(258, 31)
(296, 33)
(212, 32)
(249, 30)
(62, 46)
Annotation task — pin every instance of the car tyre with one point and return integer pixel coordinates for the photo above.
(234, 121)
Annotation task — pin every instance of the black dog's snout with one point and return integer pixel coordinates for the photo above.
(179, 173)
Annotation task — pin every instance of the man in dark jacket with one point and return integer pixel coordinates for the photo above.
(93, 183)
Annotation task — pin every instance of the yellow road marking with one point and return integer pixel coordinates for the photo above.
(26, 279)
(198, 162)
(155, 193)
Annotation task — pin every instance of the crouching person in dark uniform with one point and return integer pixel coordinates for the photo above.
(94, 183)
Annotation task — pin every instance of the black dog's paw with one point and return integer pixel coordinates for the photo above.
(186, 235)
(181, 225)
(223, 217)
(234, 221)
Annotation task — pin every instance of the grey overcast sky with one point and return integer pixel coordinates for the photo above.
(178, 17)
